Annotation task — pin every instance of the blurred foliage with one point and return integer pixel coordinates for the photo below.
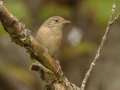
(2, 31)
(52, 9)
(17, 72)
(18, 9)
(84, 48)
(101, 10)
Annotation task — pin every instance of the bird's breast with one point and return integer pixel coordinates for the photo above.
(50, 39)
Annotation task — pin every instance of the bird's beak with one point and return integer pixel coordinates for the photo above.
(67, 21)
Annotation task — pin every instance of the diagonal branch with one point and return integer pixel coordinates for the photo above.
(100, 48)
(22, 36)
(54, 78)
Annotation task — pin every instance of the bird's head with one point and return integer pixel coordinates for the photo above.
(55, 21)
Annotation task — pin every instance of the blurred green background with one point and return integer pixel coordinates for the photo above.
(81, 39)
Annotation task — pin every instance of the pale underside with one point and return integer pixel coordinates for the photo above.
(50, 39)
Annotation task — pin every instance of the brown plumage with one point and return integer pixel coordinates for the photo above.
(50, 34)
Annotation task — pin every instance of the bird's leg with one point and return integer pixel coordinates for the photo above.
(58, 63)
(37, 65)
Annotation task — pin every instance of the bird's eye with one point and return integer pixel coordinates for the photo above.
(56, 20)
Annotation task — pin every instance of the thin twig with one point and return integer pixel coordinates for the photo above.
(100, 47)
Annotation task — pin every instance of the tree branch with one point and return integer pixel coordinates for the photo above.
(111, 21)
(46, 65)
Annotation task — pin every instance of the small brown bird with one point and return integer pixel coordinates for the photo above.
(50, 34)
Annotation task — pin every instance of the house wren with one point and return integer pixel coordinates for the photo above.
(49, 35)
